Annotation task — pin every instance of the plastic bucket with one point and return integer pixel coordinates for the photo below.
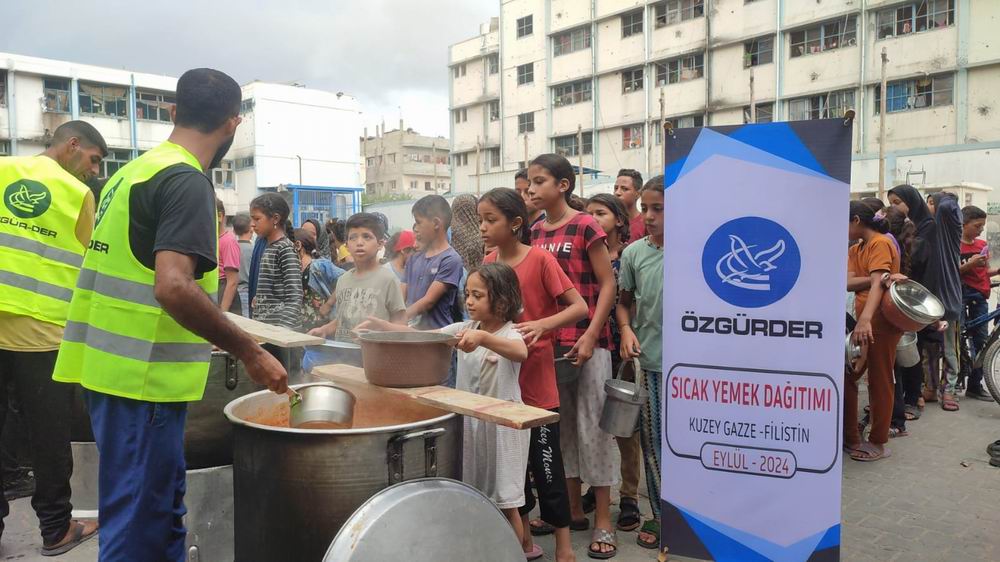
(622, 403)
(907, 352)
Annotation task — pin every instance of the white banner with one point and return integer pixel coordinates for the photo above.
(753, 340)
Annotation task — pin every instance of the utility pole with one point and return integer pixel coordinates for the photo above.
(753, 100)
(477, 165)
(434, 159)
(579, 146)
(662, 130)
(881, 129)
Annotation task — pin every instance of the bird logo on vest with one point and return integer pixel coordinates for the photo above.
(27, 199)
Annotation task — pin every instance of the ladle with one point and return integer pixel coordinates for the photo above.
(320, 406)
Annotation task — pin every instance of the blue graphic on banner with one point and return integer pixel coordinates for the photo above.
(751, 262)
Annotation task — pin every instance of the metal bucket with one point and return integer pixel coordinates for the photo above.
(907, 352)
(623, 403)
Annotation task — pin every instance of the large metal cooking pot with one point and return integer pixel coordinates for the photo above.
(909, 306)
(207, 433)
(294, 488)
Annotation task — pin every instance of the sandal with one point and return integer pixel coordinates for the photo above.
(535, 554)
(929, 396)
(650, 527)
(628, 516)
(896, 432)
(603, 537)
(78, 533)
(993, 449)
(948, 403)
(540, 528)
(867, 452)
(912, 413)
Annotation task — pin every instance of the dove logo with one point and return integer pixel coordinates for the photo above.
(751, 262)
(27, 199)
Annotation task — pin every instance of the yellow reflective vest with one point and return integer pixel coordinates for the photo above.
(118, 340)
(40, 254)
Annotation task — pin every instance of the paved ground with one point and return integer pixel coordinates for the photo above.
(936, 499)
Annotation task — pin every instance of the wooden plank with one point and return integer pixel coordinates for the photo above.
(275, 335)
(501, 412)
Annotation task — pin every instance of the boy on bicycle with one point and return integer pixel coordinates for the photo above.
(976, 273)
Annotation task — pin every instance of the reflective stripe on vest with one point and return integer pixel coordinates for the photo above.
(40, 254)
(118, 339)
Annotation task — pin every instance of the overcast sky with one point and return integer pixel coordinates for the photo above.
(390, 54)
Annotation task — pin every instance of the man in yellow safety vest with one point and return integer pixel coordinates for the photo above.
(143, 320)
(46, 219)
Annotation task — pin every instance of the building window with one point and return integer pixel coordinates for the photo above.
(494, 109)
(681, 69)
(918, 93)
(460, 159)
(915, 17)
(4, 148)
(493, 62)
(56, 94)
(825, 37)
(224, 176)
(676, 11)
(392, 185)
(458, 70)
(461, 115)
(571, 41)
(493, 157)
(526, 123)
(116, 158)
(568, 146)
(3, 88)
(427, 186)
(765, 113)
(758, 51)
(98, 99)
(370, 161)
(246, 106)
(575, 92)
(631, 137)
(631, 80)
(414, 185)
(152, 106)
(244, 163)
(826, 106)
(524, 26)
(632, 24)
(525, 74)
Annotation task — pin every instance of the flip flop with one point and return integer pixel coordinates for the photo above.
(535, 554)
(993, 449)
(948, 403)
(541, 529)
(870, 453)
(602, 536)
(896, 432)
(75, 538)
(912, 413)
(628, 516)
(650, 527)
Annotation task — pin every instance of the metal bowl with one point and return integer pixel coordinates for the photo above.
(406, 359)
(915, 301)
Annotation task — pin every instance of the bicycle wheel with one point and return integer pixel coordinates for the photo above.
(991, 369)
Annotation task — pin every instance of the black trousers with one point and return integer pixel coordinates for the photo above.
(46, 405)
(545, 466)
(15, 447)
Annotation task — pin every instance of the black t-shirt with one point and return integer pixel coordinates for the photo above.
(174, 210)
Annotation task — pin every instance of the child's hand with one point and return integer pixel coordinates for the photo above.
(532, 331)
(469, 340)
(630, 345)
(375, 324)
(583, 350)
(318, 332)
(324, 310)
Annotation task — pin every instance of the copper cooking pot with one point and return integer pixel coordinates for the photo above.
(909, 306)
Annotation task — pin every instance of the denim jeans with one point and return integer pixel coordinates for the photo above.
(974, 306)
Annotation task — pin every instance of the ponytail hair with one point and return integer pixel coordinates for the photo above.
(869, 217)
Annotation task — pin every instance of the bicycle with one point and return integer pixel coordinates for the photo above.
(987, 358)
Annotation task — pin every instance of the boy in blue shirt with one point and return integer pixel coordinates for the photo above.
(433, 274)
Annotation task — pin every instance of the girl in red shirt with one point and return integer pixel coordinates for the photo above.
(503, 220)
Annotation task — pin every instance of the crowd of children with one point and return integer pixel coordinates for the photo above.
(531, 281)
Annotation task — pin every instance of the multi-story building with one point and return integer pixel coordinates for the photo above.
(296, 140)
(404, 162)
(598, 79)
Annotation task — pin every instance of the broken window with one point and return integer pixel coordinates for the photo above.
(918, 93)
(825, 37)
(631, 80)
(55, 93)
(116, 158)
(153, 106)
(681, 69)
(568, 145)
(631, 137)
(758, 51)
(104, 99)
(824, 106)
(571, 41)
(574, 92)
(676, 11)
(765, 113)
(915, 17)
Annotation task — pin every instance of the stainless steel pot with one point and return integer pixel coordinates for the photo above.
(909, 306)
(406, 359)
(294, 488)
(208, 435)
(907, 352)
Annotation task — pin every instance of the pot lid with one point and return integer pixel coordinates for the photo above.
(426, 520)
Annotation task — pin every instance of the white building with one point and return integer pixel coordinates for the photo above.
(616, 69)
(290, 136)
(403, 162)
